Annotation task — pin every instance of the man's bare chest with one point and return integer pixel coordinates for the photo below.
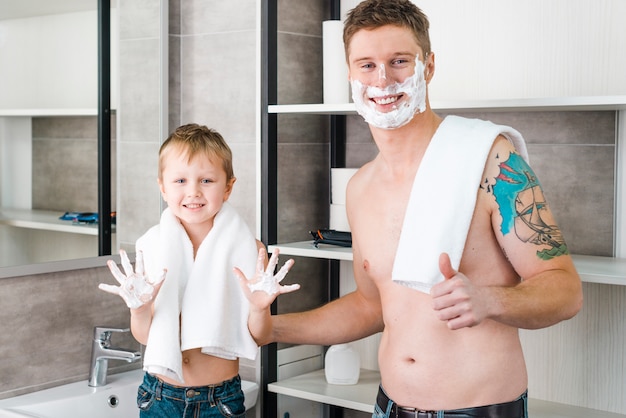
(378, 232)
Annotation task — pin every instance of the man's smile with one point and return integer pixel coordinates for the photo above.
(386, 100)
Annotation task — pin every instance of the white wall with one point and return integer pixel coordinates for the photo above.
(510, 49)
(52, 61)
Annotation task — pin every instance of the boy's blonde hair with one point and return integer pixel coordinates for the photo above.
(372, 14)
(193, 139)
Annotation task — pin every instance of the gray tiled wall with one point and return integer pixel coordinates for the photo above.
(139, 126)
(47, 328)
(47, 325)
(65, 163)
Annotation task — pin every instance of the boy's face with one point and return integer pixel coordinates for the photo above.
(194, 190)
(382, 57)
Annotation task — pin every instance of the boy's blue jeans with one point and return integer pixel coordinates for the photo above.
(157, 399)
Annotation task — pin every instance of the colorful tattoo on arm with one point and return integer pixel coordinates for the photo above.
(523, 208)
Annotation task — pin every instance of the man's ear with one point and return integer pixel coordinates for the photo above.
(430, 67)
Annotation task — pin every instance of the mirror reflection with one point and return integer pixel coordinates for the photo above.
(48, 130)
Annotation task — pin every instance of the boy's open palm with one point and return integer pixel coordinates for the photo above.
(265, 286)
(135, 287)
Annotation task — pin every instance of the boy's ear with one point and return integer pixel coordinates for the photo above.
(161, 189)
(229, 188)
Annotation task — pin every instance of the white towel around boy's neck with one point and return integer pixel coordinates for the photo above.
(204, 293)
(443, 197)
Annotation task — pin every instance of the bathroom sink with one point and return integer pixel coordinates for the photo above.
(116, 399)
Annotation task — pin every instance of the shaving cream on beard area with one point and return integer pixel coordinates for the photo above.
(414, 87)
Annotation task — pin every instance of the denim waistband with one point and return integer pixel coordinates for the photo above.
(208, 393)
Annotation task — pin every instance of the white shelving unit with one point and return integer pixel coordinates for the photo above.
(313, 386)
(592, 269)
(25, 230)
(45, 220)
(17, 129)
(308, 249)
(48, 112)
(527, 105)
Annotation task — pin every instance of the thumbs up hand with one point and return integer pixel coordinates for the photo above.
(456, 300)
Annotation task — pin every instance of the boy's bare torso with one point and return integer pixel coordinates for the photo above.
(423, 364)
(202, 370)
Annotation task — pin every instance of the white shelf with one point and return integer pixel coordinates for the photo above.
(592, 269)
(313, 387)
(603, 270)
(308, 249)
(46, 220)
(48, 112)
(528, 105)
(315, 109)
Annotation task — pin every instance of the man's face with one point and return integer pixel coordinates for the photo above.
(382, 57)
(388, 76)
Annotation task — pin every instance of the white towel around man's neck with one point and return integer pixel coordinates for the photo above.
(443, 197)
(204, 293)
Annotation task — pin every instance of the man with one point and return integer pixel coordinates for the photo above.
(450, 339)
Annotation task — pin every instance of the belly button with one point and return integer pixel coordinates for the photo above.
(366, 265)
(186, 360)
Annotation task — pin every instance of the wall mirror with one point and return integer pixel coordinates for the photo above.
(50, 130)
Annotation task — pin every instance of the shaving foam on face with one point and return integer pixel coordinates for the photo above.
(413, 88)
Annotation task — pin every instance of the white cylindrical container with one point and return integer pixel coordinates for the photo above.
(338, 218)
(339, 178)
(335, 75)
(342, 365)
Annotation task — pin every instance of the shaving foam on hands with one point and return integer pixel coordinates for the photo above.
(135, 287)
(266, 280)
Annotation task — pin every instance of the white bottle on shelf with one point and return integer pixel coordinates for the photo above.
(342, 365)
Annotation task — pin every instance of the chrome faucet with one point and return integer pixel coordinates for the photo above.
(102, 352)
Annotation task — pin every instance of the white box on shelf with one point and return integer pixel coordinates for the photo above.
(339, 178)
(336, 86)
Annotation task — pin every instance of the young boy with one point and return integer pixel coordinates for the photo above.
(194, 324)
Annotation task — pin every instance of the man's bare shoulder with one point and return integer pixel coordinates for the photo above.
(362, 176)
